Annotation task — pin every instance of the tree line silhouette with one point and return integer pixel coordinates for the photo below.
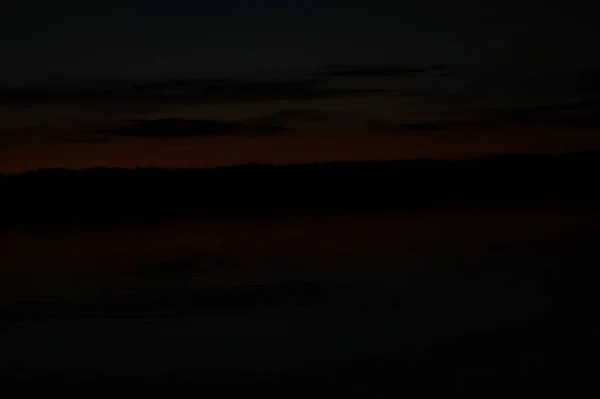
(52, 197)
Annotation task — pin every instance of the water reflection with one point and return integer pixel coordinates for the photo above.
(381, 250)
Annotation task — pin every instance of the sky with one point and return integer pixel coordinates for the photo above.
(199, 84)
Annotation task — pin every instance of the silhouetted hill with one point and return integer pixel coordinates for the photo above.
(106, 195)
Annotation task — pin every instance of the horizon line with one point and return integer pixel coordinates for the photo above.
(259, 164)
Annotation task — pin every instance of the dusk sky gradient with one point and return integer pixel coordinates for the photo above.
(195, 84)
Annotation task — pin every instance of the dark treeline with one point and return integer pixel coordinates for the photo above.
(113, 195)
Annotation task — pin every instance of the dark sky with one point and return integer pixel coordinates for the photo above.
(203, 83)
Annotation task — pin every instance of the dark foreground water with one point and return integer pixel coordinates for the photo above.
(377, 305)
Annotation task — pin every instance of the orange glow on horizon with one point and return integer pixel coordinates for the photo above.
(288, 148)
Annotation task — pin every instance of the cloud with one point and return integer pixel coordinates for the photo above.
(184, 92)
(575, 114)
(32, 96)
(187, 91)
(183, 85)
(227, 91)
(178, 128)
(91, 139)
(568, 115)
(407, 127)
(285, 116)
(384, 71)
